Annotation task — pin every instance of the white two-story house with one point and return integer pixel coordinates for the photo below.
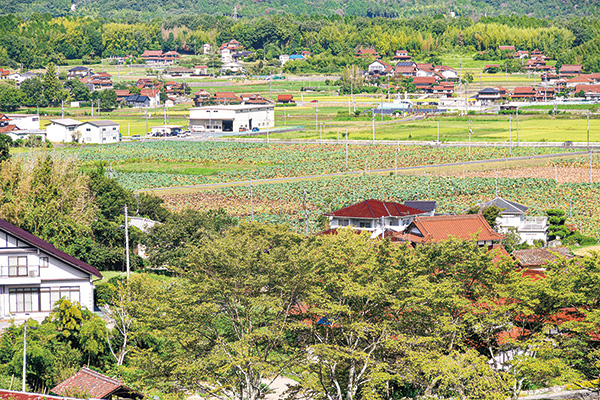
(34, 275)
(512, 217)
(374, 216)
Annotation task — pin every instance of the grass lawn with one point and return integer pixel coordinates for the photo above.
(485, 128)
(106, 275)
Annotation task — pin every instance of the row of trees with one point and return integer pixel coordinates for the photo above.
(346, 317)
(41, 38)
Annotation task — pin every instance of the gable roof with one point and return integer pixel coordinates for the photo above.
(435, 229)
(375, 209)
(539, 257)
(427, 206)
(101, 123)
(510, 207)
(94, 384)
(571, 67)
(136, 98)
(65, 122)
(15, 395)
(35, 241)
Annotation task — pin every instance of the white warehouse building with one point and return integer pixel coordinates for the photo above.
(232, 118)
(100, 132)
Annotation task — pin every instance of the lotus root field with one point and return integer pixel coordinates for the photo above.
(266, 161)
(282, 202)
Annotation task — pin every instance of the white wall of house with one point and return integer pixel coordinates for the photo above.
(528, 228)
(60, 133)
(25, 121)
(397, 224)
(31, 281)
(376, 66)
(103, 134)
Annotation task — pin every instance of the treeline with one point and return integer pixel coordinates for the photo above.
(41, 39)
(344, 316)
(246, 8)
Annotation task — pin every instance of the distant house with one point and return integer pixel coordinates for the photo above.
(153, 95)
(243, 54)
(506, 48)
(4, 73)
(201, 97)
(361, 53)
(402, 55)
(79, 72)
(438, 228)
(122, 94)
(406, 69)
(201, 70)
(96, 386)
(305, 53)
(578, 81)
(34, 275)
(285, 98)
(24, 121)
(158, 57)
(100, 81)
(63, 130)
(512, 217)
(226, 98)
(20, 78)
(283, 59)
(100, 132)
(422, 82)
(446, 72)
(253, 98)
(374, 216)
(139, 101)
(492, 94)
(524, 92)
(379, 67)
(232, 67)
(180, 71)
(207, 48)
(591, 92)
(427, 206)
(570, 70)
(534, 261)
(521, 54)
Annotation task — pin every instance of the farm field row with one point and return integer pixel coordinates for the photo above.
(141, 165)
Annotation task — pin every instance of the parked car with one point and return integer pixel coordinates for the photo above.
(255, 129)
(135, 137)
(314, 101)
(184, 134)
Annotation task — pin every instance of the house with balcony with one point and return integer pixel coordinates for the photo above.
(34, 275)
(374, 216)
(512, 217)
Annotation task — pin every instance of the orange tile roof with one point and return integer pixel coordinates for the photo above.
(93, 383)
(435, 229)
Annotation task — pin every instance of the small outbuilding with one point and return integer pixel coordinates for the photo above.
(100, 132)
(95, 385)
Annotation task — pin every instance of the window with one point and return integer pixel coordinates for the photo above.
(24, 300)
(365, 224)
(17, 266)
(344, 222)
(88, 130)
(43, 262)
(393, 222)
(49, 296)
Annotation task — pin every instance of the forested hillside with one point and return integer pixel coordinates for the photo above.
(249, 8)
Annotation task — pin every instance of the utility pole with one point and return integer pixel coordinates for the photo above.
(469, 138)
(92, 108)
(517, 126)
(396, 162)
(24, 354)
(510, 136)
(373, 121)
(127, 242)
(317, 117)
(62, 105)
(438, 131)
(251, 203)
(305, 215)
(321, 133)
(346, 149)
(591, 167)
(588, 130)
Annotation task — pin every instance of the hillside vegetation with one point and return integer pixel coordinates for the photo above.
(393, 8)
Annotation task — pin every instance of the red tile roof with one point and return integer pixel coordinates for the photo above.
(424, 80)
(285, 97)
(93, 384)
(571, 68)
(8, 128)
(435, 229)
(149, 92)
(588, 88)
(14, 395)
(375, 209)
(506, 48)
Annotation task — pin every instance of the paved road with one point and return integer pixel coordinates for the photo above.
(305, 177)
